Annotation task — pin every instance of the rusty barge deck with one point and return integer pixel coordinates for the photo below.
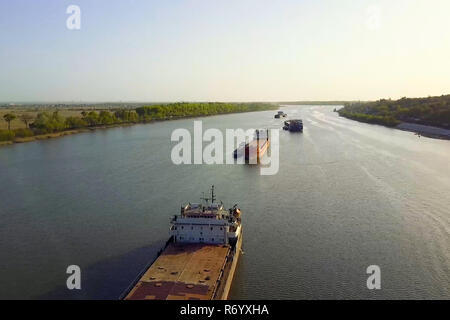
(188, 272)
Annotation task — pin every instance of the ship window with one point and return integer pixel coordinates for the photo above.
(182, 227)
(201, 232)
(211, 228)
(221, 228)
(192, 228)
(212, 239)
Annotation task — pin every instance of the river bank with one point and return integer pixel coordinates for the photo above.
(61, 134)
(427, 131)
(101, 127)
(47, 125)
(419, 129)
(427, 116)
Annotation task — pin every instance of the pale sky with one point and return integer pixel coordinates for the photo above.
(224, 50)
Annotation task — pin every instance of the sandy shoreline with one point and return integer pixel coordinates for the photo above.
(419, 129)
(426, 131)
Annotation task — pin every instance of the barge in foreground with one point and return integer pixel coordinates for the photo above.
(199, 261)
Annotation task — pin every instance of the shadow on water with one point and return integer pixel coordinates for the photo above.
(108, 279)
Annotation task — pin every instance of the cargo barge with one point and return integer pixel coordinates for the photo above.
(293, 125)
(280, 114)
(254, 150)
(200, 258)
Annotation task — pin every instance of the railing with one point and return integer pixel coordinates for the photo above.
(219, 279)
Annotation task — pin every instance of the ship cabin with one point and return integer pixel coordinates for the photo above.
(210, 224)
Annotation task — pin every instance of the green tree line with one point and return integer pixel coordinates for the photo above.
(433, 111)
(52, 122)
(181, 110)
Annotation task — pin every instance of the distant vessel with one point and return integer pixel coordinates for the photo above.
(293, 125)
(255, 149)
(240, 151)
(200, 258)
(280, 114)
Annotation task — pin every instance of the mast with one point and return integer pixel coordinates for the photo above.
(257, 146)
(213, 196)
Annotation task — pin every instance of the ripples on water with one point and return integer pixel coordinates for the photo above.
(347, 195)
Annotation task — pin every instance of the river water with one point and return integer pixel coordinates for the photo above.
(347, 195)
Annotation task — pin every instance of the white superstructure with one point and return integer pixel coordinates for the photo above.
(206, 223)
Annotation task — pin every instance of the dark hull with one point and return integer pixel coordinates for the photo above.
(293, 126)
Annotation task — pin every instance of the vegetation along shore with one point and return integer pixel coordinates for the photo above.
(27, 124)
(426, 116)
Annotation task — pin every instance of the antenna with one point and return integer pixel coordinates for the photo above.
(204, 198)
(213, 196)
